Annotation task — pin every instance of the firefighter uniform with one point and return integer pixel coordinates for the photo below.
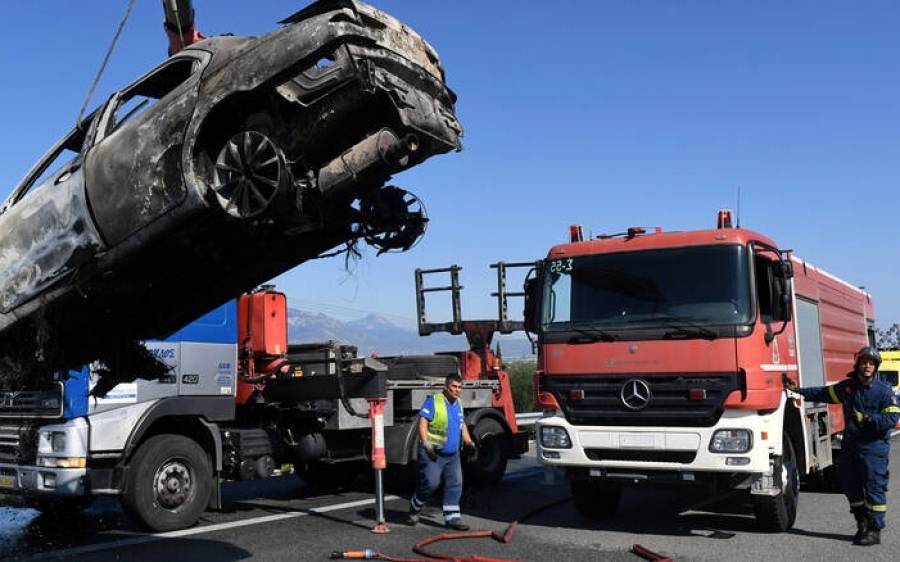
(870, 413)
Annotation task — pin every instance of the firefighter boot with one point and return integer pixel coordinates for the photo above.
(872, 535)
(862, 526)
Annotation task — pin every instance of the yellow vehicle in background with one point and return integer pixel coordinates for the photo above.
(890, 370)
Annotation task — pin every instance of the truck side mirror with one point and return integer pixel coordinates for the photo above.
(787, 269)
(780, 305)
(781, 294)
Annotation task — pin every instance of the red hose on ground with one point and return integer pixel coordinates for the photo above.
(648, 554)
(419, 548)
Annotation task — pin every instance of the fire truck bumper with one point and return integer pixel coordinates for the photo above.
(734, 445)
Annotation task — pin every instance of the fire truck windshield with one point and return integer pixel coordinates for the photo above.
(678, 292)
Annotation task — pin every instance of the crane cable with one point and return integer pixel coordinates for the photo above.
(103, 65)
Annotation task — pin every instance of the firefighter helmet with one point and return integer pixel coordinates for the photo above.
(871, 353)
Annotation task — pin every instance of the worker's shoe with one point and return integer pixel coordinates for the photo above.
(457, 525)
(870, 538)
(862, 527)
(413, 518)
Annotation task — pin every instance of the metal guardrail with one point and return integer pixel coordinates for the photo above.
(528, 418)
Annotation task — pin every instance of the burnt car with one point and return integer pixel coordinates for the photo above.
(233, 161)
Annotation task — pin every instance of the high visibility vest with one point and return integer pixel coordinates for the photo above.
(439, 423)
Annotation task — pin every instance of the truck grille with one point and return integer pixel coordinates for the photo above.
(18, 444)
(32, 404)
(674, 400)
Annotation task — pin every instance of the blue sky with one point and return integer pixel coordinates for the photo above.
(609, 114)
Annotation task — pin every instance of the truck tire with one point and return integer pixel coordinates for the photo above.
(423, 367)
(170, 483)
(596, 499)
(490, 465)
(777, 513)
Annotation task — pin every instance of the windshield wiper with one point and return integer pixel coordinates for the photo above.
(591, 335)
(680, 327)
(689, 332)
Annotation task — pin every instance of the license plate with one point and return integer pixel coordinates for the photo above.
(637, 440)
(7, 482)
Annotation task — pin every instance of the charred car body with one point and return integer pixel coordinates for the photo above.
(233, 161)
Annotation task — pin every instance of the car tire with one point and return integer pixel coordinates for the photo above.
(250, 173)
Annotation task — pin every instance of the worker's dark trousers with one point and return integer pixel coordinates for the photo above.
(447, 467)
(864, 478)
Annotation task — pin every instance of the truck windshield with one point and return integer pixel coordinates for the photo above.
(672, 293)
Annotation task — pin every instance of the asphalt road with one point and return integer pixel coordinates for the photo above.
(284, 519)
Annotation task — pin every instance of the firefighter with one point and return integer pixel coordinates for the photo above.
(870, 413)
(441, 428)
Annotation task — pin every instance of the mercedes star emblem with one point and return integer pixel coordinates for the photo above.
(635, 394)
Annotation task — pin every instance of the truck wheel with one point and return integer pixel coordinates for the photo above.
(596, 499)
(777, 513)
(170, 483)
(490, 465)
(250, 172)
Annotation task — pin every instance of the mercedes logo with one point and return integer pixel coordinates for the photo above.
(635, 394)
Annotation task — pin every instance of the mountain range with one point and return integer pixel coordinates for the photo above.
(376, 335)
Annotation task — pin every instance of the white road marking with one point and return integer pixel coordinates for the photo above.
(205, 529)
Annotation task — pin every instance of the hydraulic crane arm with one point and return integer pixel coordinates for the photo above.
(179, 24)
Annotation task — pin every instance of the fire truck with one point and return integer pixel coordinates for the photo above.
(661, 357)
(238, 402)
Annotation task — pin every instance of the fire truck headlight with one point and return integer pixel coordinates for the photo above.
(731, 441)
(553, 437)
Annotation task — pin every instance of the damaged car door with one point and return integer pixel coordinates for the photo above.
(134, 172)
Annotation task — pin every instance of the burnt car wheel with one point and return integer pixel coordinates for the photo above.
(249, 174)
(393, 219)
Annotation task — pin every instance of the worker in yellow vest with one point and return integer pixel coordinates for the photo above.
(442, 429)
